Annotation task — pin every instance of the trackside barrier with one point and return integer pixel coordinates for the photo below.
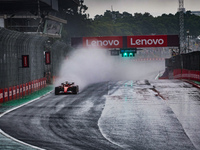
(27, 91)
(1, 96)
(5, 94)
(41, 83)
(32, 87)
(24, 90)
(19, 91)
(29, 88)
(14, 92)
(186, 74)
(10, 93)
(35, 85)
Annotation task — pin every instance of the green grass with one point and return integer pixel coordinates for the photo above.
(196, 82)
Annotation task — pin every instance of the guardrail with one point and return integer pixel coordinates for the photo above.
(19, 91)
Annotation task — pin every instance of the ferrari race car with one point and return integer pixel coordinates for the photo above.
(66, 88)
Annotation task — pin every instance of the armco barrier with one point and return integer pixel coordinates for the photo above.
(14, 92)
(19, 91)
(32, 87)
(186, 74)
(5, 94)
(41, 83)
(24, 90)
(1, 96)
(27, 89)
(10, 93)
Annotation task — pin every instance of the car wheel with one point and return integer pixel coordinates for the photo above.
(57, 90)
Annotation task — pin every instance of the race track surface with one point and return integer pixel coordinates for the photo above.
(111, 115)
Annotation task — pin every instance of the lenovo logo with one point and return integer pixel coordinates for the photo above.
(147, 41)
(104, 42)
(127, 41)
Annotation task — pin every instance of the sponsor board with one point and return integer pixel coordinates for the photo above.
(103, 42)
(127, 41)
(47, 58)
(147, 41)
(25, 61)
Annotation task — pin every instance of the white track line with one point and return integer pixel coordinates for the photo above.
(12, 138)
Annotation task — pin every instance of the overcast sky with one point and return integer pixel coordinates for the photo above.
(154, 7)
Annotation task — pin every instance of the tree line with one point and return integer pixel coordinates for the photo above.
(114, 23)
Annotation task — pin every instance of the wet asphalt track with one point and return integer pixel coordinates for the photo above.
(61, 122)
(70, 122)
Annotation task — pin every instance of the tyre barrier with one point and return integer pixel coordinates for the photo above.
(19, 91)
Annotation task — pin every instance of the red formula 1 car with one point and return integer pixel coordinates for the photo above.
(66, 88)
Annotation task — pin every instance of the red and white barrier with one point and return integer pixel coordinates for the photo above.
(18, 91)
(29, 88)
(26, 89)
(14, 92)
(35, 85)
(5, 94)
(1, 96)
(10, 93)
(32, 86)
(186, 74)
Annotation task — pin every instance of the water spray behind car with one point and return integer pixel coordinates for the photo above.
(92, 65)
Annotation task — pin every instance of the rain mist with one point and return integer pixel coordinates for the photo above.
(92, 65)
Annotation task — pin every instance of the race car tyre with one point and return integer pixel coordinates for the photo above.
(57, 90)
(75, 90)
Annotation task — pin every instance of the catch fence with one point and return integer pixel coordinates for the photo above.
(23, 63)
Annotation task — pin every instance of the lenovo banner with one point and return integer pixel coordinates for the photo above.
(25, 61)
(103, 42)
(147, 41)
(127, 41)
